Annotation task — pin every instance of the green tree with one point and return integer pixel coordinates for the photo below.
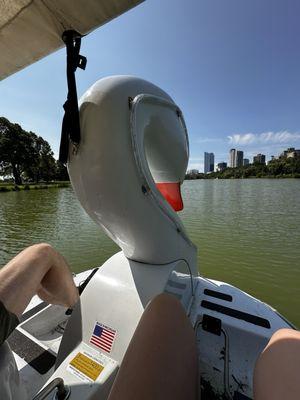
(16, 150)
(43, 166)
(61, 172)
(24, 154)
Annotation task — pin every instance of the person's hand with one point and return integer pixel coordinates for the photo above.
(57, 286)
(39, 269)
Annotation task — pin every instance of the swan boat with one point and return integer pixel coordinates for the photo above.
(126, 159)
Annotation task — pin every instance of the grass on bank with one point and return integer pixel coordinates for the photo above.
(11, 187)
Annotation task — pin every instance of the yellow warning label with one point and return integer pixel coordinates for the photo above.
(86, 366)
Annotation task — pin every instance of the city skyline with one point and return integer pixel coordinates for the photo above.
(236, 159)
(270, 144)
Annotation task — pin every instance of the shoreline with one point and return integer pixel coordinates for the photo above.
(11, 187)
(296, 176)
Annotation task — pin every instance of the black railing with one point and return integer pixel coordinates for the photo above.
(62, 391)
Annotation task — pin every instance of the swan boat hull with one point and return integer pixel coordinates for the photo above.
(224, 319)
(231, 327)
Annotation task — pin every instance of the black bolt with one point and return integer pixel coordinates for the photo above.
(144, 189)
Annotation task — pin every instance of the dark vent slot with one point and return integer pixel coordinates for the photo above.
(252, 319)
(218, 295)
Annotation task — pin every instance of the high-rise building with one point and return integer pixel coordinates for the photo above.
(259, 159)
(239, 158)
(209, 162)
(235, 158)
(246, 161)
(221, 166)
(232, 157)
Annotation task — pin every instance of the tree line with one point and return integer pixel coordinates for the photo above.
(26, 156)
(277, 168)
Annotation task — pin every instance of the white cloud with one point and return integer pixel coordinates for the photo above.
(265, 138)
(246, 138)
(279, 137)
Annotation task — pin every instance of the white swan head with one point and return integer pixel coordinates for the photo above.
(132, 157)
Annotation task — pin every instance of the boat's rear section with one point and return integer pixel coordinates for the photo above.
(86, 348)
(232, 329)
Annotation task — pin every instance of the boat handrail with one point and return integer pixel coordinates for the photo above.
(62, 393)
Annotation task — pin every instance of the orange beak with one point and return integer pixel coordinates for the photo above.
(171, 192)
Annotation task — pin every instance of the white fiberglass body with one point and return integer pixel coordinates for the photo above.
(116, 297)
(134, 138)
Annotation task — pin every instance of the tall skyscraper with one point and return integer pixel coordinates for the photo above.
(235, 158)
(209, 162)
(232, 157)
(246, 161)
(239, 158)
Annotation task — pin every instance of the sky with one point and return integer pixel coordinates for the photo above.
(232, 66)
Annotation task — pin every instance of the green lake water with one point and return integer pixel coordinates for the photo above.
(247, 233)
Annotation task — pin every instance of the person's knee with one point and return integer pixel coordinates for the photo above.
(281, 339)
(280, 347)
(165, 301)
(165, 306)
(275, 368)
(284, 334)
(166, 312)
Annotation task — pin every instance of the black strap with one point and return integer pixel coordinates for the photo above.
(70, 125)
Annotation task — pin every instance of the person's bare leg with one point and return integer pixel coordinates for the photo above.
(41, 270)
(276, 374)
(161, 360)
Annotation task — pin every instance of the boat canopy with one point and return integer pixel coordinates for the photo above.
(32, 29)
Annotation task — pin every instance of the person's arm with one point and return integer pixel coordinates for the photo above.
(38, 269)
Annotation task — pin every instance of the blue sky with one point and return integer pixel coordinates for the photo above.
(233, 67)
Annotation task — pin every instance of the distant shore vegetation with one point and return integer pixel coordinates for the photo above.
(11, 187)
(277, 168)
(27, 160)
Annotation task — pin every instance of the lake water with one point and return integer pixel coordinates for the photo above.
(247, 233)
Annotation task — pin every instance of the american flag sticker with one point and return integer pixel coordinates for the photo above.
(103, 337)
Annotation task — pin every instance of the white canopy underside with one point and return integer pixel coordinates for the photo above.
(32, 29)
